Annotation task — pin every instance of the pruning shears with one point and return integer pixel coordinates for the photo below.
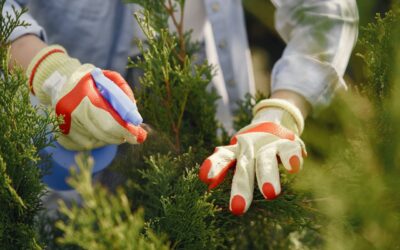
(61, 159)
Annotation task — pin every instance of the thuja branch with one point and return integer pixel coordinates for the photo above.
(168, 101)
(173, 90)
(179, 26)
(22, 134)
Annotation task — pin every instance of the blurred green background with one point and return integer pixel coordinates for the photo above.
(353, 168)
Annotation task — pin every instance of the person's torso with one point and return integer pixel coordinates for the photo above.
(95, 33)
(103, 34)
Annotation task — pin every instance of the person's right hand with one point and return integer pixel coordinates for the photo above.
(89, 120)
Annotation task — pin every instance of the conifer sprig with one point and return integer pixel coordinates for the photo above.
(23, 132)
(105, 220)
(173, 84)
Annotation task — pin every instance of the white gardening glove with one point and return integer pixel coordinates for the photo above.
(272, 137)
(90, 121)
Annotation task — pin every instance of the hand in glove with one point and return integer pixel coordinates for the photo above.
(90, 121)
(257, 149)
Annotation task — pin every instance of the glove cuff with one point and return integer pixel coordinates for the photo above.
(291, 109)
(49, 61)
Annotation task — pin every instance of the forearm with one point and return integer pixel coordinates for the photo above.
(320, 36)
(24, 49)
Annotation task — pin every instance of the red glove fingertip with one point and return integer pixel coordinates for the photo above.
(268, 191)
(294, 162)
(138, 132)
(142, 135)
(238, 205)
(204, 170)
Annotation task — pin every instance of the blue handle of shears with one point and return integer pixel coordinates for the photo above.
(62, 159)
(117, 98)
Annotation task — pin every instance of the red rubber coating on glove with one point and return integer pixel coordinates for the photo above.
(216, 180)
(268, 191)
(268, 127)
(204, 169)
(87, 88)
(238, 204)
(295, 164)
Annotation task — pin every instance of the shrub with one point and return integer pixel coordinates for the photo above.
(23, 133)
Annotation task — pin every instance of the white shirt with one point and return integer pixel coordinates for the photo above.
(320, 35)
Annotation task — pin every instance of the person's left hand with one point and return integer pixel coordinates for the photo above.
(256, 150)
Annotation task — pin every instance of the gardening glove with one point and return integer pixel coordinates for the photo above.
(271, 137)
(90, 119)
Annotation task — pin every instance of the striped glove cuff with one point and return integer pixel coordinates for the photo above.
(280, 111)
(50, 60)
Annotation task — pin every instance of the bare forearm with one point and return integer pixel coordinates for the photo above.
(24, 49)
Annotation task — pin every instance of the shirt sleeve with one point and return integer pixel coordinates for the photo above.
(320, 35)
(33, 28)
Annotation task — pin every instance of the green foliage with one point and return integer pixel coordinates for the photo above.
(176, 202)
(244, 113)
(355, 174)
(345, 198)
(378, 40)
(353, 189)
(275, 224)
(178, 205)
(22, 133)
(172, 95)
(381, 41)
(9, 22)
(105, 221)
